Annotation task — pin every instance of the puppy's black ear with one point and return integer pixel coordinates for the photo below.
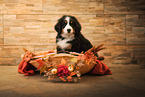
(58, 27)
(77, 27)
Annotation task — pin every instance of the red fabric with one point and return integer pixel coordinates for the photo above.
(25, 68)
(101, 68)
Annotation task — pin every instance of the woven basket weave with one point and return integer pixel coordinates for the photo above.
(56, 59)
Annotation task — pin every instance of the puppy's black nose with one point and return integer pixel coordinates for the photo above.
(68, 30)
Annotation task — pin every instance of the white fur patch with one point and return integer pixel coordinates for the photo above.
(63, 43)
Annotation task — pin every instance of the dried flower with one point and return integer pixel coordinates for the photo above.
(63, 71)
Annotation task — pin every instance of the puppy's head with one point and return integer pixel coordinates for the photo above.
(68, 26)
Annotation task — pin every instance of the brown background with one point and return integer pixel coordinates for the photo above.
(120, 24)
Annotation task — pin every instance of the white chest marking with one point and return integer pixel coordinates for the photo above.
(63, 43)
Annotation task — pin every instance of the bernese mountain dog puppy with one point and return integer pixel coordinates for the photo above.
(69, 37)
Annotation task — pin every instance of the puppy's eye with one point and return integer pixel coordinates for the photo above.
(71, 22)
(65, 22)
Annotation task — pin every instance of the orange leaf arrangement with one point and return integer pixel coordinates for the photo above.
(65, 72)
(68, 70)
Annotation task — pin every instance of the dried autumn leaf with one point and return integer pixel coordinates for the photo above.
(74, 60)
(41, 63)
(43, 68)
(72, 74)
(63, 62)
(69, 78)
(63, 79)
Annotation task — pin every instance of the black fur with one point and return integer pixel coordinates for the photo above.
(79, 43)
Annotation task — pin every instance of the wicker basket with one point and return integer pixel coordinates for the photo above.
(56, 59)
(88, 56)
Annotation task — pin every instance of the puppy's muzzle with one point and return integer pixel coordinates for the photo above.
(68, 30)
